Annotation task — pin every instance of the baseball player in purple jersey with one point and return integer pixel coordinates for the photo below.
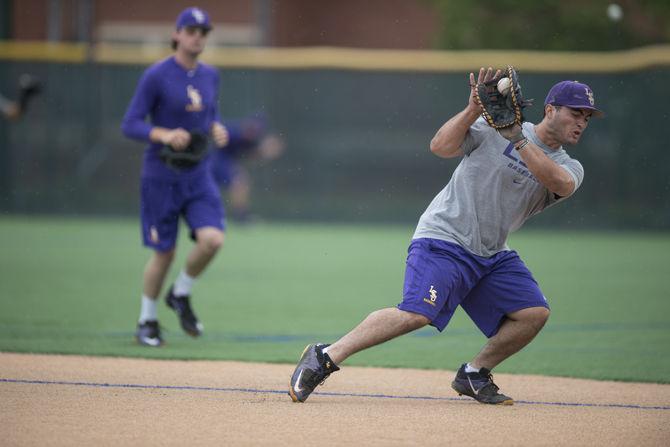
(180, 96)
(248, 138)
(459, 256)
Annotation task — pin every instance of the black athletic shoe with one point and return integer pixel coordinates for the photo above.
(479, 386)
(149, 334)
(313, 369)
(182, 306)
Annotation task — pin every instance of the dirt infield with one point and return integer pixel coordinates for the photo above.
(69, 400)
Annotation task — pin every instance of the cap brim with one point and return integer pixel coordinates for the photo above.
(195, 25)
(595, 112)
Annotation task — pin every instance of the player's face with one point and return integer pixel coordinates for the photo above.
(568, 124)
(192, 39)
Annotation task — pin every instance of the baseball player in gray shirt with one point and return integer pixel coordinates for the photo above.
(459, 253)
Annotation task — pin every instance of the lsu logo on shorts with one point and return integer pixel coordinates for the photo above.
(433, 296)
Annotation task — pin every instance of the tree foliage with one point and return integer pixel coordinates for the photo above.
(577, 25)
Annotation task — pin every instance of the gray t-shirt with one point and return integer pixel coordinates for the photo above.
(491, 193)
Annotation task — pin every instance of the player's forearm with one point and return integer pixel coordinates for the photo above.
(447, 141)
(136, 128)
(551, 175)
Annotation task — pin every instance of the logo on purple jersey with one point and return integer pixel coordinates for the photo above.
(196, 99)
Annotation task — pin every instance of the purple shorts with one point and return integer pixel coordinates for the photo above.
(163, 201)
(441, 275)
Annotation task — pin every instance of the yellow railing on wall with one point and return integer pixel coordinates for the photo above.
(348, 58)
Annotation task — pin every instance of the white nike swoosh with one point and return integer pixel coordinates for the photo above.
(296, 388)
(152, 341)
(476, 391)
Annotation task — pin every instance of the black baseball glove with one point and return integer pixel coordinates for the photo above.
(502, 109)
(29, 86)
(190, 156)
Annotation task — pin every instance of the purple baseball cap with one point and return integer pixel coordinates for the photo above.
(193, 17)
(575, 95)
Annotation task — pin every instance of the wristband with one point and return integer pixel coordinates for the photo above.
(523, 144)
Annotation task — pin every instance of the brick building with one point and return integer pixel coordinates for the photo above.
(400, 24)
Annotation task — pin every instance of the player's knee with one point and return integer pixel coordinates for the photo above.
(535, 316)
(214, 243)
(414, 320)
(541, 314)
(211, 240)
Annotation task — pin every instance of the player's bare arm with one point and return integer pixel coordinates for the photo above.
(551, 175)
(448, 140)
(562, 125)
(177, 138)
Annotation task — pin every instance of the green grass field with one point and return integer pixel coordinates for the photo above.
(72, 286)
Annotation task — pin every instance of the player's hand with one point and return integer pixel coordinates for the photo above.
(220, 135)
(178, 139)
(485, 75)
(271, 147)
